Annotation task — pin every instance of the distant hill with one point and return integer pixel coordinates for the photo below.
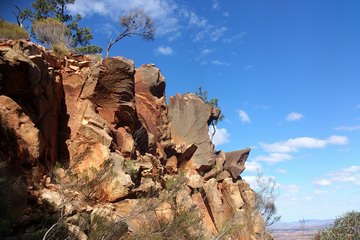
(308, 223)
(293, 230)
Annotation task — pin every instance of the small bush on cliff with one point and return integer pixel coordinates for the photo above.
(265, 199)
(135, 23)
(52, 32)
(11, 31)
(203, 95)
(345, 227)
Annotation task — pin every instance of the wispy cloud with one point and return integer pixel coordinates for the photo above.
(247, 67)
(221, 136)
(348, 128)
(220, 63)
(347, 175)
(164, 12)
(236, 37)
(253, 166)
(203, 53)
(244, 117)
(170, 17)
(226, 14)
(215, 5)
(294, 144)
(322, 182)
(206, 51)
(273, 158)
(281, 151)
(166, 51)
(350, 175)
(217, 33)
(294, 116)
(262, 106)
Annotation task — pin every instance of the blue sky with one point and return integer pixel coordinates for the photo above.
(286, 74)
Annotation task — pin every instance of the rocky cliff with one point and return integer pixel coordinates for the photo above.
(92, 147)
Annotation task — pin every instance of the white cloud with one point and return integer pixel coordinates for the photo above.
(294, 116)
(220, 63)
(221, 136)
(244, 117)
(193, 19)
(253, 166)
(322, 182)
(337, 140)
(204, 53)
(294, 144)
(217, 33)
(170, 16)
(209, 32)
(273, 158)
(348, 128)
(349, 175)
(166, 51)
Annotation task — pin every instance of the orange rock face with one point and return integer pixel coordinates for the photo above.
(108, 123)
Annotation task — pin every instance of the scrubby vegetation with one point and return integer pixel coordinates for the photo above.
(135, 23)
(53, 33)
(11, 31)
(345, 227)
(265, 199)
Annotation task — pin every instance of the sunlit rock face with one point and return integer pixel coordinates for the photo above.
(95, 139)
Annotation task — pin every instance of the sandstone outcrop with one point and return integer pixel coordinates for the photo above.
(151, 106)
(188, 116)
(104, 149)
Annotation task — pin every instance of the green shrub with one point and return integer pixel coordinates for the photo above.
(53, 33)
(60, 50)
(11, 31)
(345, 227)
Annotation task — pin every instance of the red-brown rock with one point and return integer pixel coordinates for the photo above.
(235, 162)
(188, 116)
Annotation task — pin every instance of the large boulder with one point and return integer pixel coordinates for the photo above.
(188, 116)
(235, 162)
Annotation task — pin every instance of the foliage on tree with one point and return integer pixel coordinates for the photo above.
(11, 31)
(135, 23)
(51, 9)
(265, 199)
(203, 95)
(81, 37)
(344, 227)
(50, 31)
(21, 15)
